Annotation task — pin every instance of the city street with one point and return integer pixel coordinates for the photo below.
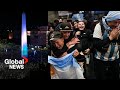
(36, 68)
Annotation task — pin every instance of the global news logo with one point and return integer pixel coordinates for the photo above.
(16, 64)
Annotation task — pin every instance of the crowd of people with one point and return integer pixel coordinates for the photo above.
(78, 45)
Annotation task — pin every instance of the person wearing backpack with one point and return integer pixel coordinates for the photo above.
(105, 41)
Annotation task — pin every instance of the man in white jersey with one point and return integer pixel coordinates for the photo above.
(105, 42)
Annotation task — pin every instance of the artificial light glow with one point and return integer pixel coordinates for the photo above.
(24, 50)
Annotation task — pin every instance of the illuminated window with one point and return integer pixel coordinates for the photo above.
(28, 33)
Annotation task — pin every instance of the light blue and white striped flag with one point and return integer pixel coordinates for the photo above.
(66, 67)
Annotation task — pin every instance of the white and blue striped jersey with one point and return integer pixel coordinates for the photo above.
(112, 52)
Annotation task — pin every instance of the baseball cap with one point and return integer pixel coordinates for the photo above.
(65, 26)
(55, 35)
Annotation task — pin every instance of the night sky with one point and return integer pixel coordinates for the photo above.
(10, 16)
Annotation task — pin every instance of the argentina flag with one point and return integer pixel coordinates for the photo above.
(66, 67)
